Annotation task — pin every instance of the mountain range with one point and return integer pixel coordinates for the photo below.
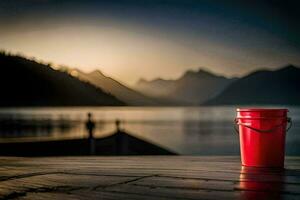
(25, 82)
(264, 87)
(119, 90)
(192, 88)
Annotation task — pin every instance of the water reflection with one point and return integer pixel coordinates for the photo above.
(197, 131)
(267, 183)
(18, 126)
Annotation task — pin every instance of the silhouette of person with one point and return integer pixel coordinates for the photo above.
(118, 122)
(121, 142)
(90, 126)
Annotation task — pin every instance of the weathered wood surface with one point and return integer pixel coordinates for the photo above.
(150, 177)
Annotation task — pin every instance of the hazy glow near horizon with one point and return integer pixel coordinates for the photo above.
(128, 49)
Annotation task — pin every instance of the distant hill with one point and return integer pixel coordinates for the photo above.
(192, 88)
(119, 90)
(280, 87)
(25, 82)
(156, 88)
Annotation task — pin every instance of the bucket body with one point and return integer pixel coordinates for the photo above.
(262, 136)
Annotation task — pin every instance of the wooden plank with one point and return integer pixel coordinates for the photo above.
(57, 181)
(150, 177)
(180, 193)
(87, 195)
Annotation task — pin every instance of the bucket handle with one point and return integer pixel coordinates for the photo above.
(289, 120)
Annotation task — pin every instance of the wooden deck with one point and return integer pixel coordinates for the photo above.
(150, 177)
(118, 143)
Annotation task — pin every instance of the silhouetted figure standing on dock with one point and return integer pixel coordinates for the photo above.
(90, 126)
(121, 140)
(118, 122)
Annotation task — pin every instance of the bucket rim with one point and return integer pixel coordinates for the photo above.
(261, 109)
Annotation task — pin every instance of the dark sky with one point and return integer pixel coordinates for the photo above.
(133, 39)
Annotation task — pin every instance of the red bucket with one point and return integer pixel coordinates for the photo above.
(262, 136)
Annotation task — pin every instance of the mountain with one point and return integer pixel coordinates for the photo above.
(25, 82)
(122, 92)
(281, 87)
(155, 88)
(192, 88)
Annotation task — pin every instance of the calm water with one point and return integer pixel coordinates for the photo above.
(189, 130)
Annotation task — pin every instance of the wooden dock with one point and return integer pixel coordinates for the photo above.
(117, 143)
(145, 177)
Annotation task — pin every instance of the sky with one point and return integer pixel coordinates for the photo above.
(134, 39)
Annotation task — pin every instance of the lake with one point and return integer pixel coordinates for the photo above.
(185, 130)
